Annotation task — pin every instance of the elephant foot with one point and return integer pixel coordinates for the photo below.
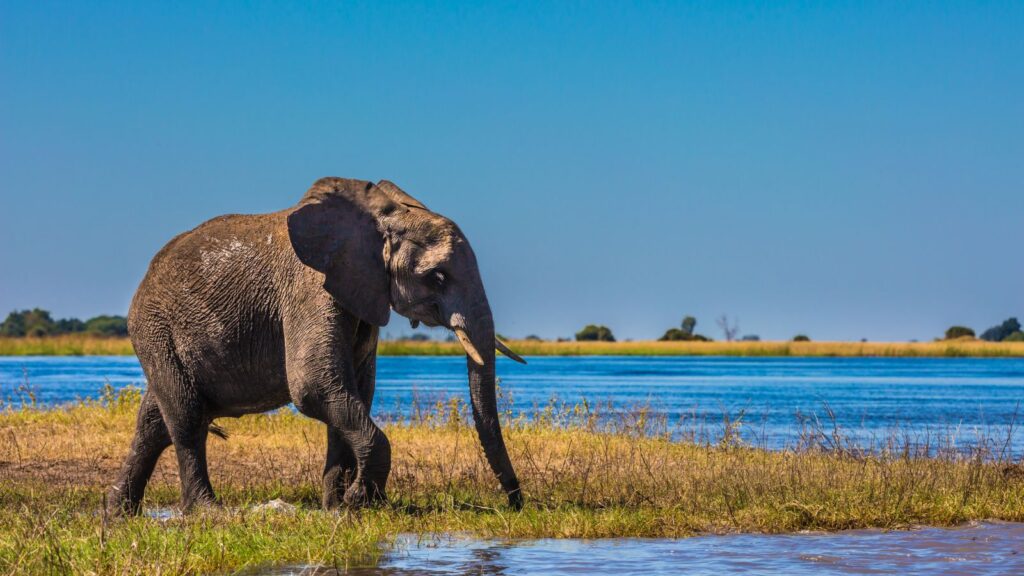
(336, 484)
(199, 502)
(363, 494)
(120, 505)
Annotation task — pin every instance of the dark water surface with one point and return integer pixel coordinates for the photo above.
(955, 399)
(980, 548)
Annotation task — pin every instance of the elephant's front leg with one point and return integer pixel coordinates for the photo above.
(327, 374)
(340, 468)
(358, 452)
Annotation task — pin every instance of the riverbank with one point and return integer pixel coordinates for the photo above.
(76, 345)
(581, 480)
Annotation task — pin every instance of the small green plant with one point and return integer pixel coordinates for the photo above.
(801, 338)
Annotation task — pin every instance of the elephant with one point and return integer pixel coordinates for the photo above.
(246, 313)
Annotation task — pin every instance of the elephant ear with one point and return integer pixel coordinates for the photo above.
(398, 195)
(335, 235)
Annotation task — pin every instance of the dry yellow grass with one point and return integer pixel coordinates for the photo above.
(954, 348)
(581, 479)
(76, 345)
(65, 345)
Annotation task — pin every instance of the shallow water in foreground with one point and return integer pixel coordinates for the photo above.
(978, 548)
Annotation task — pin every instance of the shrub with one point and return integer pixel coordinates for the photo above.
(801, 338)
(684, 332)
(673, 334)
(750, 338)
(1001, 332)
(955, 332)
(1017, 336)
(107, 326)
(594, 332)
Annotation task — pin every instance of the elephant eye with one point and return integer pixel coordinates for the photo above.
(439, 278)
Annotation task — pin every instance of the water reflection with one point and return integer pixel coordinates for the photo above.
(978, 548)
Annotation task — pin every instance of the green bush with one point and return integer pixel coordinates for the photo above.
(801, 338)
(1001, 332)
(673, 334)
(594, 332)
(1017, 336)
(955, 332)
(684, 332)
(107, 326)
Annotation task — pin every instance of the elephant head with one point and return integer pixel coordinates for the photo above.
(379, 249)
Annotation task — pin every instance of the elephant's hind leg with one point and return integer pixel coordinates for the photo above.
(184, 413)
(150, 441)
(189, 428)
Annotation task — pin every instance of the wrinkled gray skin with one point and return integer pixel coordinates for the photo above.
(247, 313)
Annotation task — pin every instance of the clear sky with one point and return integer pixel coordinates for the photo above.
(845, 170)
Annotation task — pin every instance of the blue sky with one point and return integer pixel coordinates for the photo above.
(844, 170)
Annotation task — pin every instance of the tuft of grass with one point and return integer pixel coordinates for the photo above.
(80, 345)
(583, 476)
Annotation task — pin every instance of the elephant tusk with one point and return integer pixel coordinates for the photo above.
(468, 345)
(507, 352)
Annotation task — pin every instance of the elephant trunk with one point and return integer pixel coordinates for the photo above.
(485, 405)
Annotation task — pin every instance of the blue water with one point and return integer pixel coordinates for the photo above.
(933, 399)
(982, 548)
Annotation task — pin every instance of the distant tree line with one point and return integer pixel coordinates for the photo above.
(39, 322)
(1008, 331)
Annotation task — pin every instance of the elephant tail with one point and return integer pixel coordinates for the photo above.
(218, 431)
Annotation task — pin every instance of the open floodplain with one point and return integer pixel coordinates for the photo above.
(815, 465)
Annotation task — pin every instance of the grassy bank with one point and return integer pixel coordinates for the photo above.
(76, 345)
(65, 345)
(581, 479)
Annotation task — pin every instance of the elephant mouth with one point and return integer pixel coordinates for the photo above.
(424, 310)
